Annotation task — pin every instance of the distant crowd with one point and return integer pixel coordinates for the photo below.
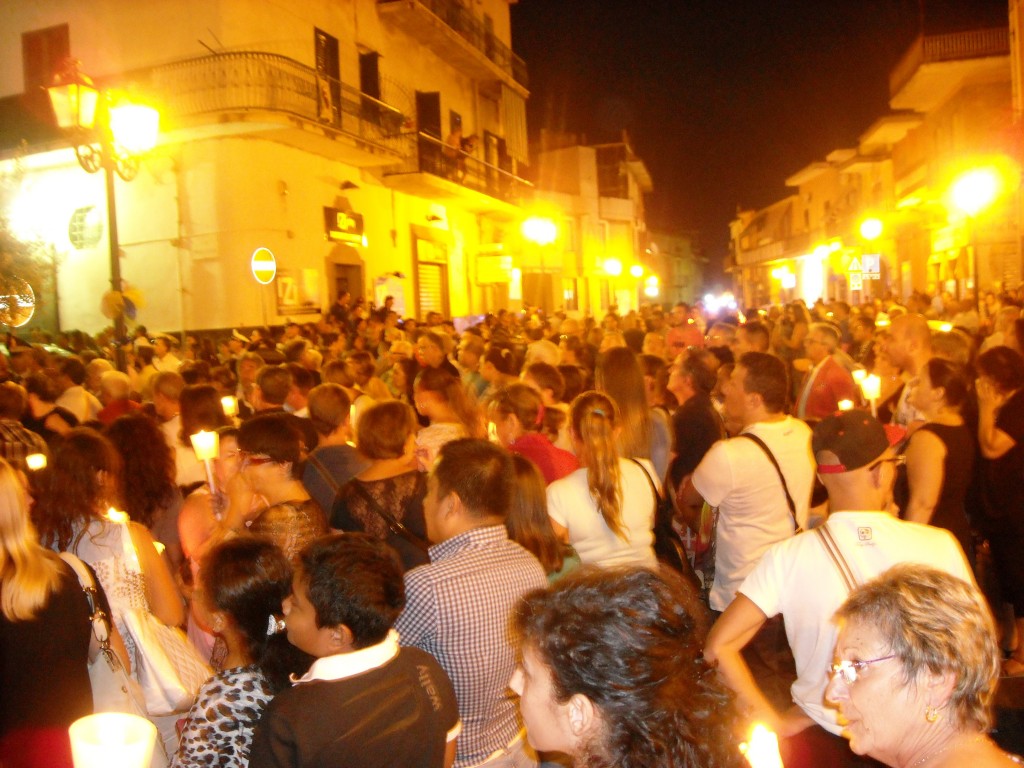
(389, 496)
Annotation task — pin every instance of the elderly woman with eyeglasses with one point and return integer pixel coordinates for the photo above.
(271, 461)
(916, 668)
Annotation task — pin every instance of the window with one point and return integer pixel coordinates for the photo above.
(328, 77)
(43, 54)
(431, 260)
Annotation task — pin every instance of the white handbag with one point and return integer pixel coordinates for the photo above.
(113, 689)
(169, 668)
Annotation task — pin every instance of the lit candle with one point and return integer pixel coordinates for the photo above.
(762, 751)
(846, 405)
(35, 461)
(112, 740)
(116, 515)
(871, 386)
(205, 444)
(230, 405)
(207, 447)
(859, 374)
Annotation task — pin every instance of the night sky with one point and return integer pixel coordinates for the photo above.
(722, 99)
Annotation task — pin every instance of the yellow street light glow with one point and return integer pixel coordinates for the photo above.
(975, 190)
(539, 230)
(636, 271)
(822, 251)
(134, 127)
(651, 290)
(652, 280)
(835, 245)
(871, 229)
(613, 267)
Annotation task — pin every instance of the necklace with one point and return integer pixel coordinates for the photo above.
(937, 752)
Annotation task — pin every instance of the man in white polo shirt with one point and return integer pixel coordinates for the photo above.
(800, 580)
(739, 477)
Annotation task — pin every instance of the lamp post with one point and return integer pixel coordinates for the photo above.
(972, 192)
(107, 136)
(542, 233)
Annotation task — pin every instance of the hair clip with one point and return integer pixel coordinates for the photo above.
(598, 412)
(274, 625)
(540, 415)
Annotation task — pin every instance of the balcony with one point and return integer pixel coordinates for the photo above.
(437, 171)
(452, 32)
(791, 247)
(935, 66)
(251, 92)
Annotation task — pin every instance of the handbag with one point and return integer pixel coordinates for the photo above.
(668, 545)
(396, 526)
(113, 690)
(169, 668)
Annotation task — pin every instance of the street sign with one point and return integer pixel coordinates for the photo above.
(854, 266)
(871, 266)
(856, 281)
(264, 266)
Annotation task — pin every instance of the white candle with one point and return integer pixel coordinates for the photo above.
(230, 405)
(871, 386)
(112, 740)
(859, 374)
(846, 405)
(206, 445)
(762, 751)
(35, 461)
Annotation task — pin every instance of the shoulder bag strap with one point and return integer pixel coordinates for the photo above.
(831, 546)
(650, 480)
(785, 487)
(395, 525)
(100, 620)
(324, 472)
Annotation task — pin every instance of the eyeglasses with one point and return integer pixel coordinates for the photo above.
(849, 671)
(253, 459)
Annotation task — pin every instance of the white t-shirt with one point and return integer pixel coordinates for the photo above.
(798, 579)
(571, 505)
(737, 477)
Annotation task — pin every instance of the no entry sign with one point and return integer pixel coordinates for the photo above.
(264, 266)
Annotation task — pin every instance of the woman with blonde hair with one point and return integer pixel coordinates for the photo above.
(916, 671)
(452, 411)
(45, 636)
(606, 508)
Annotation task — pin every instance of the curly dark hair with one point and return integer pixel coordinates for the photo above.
(83, 479)
(147, 459)
(630, 640)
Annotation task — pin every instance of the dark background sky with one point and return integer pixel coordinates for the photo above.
(723, 100)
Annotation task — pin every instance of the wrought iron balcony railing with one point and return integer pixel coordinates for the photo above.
(471, 29)
(957, 46)
(431, 155)
(245, 81)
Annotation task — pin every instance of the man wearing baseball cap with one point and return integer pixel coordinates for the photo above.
(806, 578)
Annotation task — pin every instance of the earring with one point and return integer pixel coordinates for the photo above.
(931, 714)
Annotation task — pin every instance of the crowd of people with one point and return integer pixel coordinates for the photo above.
(390, 497)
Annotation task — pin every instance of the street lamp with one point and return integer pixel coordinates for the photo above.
(542, 233)
(107, 135)
(972, 192)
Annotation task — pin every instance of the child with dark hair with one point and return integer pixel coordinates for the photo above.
(242, 583)
(346, 710)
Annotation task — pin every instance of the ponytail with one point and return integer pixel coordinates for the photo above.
(594, 418)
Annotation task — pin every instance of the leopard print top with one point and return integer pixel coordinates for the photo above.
(219, 727)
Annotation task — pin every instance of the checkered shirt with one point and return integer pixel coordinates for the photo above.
(17, 442)
(458, 609)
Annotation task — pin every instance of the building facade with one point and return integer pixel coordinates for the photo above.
(377, 147)
(882, 218)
